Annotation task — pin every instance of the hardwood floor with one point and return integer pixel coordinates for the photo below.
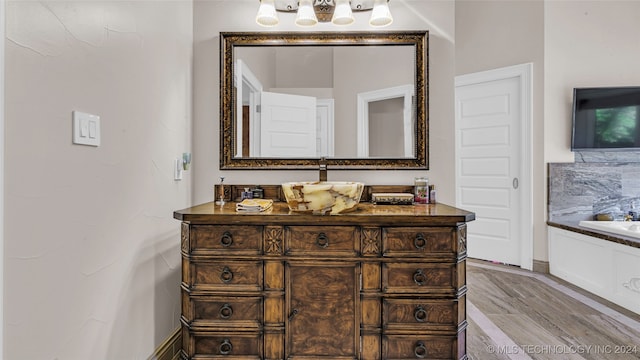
(517, 314)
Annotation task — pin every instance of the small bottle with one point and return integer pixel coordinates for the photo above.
(258, 193)
(247, 194)
(432, 194)
(421, 190)
(219, 190)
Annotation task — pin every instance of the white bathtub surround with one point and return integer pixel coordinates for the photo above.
(625, 228)
(605, 268)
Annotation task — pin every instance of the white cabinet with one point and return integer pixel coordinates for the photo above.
(607, 269)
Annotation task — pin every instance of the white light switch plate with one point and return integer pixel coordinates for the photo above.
(86, 129)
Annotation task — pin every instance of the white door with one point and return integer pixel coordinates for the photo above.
(324, 128)
(288, 125)
(248, 89)
(492, 165)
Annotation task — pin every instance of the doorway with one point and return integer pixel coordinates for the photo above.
(494, 161)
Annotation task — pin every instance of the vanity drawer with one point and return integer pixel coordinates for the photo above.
(436, 315)
(322, 240)
(204, 311)
(227, 345)
(224, 275)
(405, 347)
(431, 278)
(225, 239)
(419, 242)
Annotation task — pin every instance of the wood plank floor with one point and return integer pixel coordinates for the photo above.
(517, 314)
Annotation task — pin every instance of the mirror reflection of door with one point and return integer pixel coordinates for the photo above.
(288, 125)
(385, 136)
(325, 115)
(282, 122)
(248, 90)
(386, 122)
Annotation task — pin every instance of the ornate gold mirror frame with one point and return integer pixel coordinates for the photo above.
(229, 41)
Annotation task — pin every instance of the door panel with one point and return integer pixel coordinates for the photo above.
(488, 153)
(324, 128)
(322, 310)
(288, 125)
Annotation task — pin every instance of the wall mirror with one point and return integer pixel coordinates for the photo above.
(359, 99)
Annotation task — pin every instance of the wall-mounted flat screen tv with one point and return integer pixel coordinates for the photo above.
(606, 118)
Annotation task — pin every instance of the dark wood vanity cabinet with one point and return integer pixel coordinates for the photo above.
(382, 282)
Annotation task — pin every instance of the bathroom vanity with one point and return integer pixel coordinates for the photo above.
(380, 282)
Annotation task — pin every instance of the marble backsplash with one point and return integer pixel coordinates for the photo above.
(578, 191)
(607, 156)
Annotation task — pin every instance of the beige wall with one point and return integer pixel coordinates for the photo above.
(92, 254)
(212, 17)
(494, 34)
(587, 43)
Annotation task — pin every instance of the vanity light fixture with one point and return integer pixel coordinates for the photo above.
(310, 12)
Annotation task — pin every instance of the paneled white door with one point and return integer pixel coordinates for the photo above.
(325, 116)
(288, 125)
(489, 168)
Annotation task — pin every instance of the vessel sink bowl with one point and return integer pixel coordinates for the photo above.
(323, 197)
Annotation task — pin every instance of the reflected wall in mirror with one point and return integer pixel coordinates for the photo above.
(358, 99)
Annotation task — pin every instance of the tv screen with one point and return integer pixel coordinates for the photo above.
(606, 118)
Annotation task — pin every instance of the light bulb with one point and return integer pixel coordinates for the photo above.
(343, 14)
(306, 16)
(381, 15)
(267, 13)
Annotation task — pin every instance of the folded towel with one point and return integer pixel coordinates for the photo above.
(254, 205)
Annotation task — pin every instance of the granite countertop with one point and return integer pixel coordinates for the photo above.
(575, 227)
(406, 215)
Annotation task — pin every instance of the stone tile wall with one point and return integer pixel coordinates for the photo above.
(578, 191)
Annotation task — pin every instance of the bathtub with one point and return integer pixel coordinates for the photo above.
(625, 228)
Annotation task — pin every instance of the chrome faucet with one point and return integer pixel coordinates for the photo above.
(323, 169)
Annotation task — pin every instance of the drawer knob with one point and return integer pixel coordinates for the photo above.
(322, 240)
(227, 239)
(420, 314)
(225, 348)
(226, 276)
(293, 314)
(420, 242)
(226, 311)
(420, 351)
(420, 277)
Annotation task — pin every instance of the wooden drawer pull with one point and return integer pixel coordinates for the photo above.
(420, 351)
(322, 240)
(226, 276)
(420, 314)
(227, 239)
(226, 311)
(225, 348)
(420, 242)
(420, 277)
